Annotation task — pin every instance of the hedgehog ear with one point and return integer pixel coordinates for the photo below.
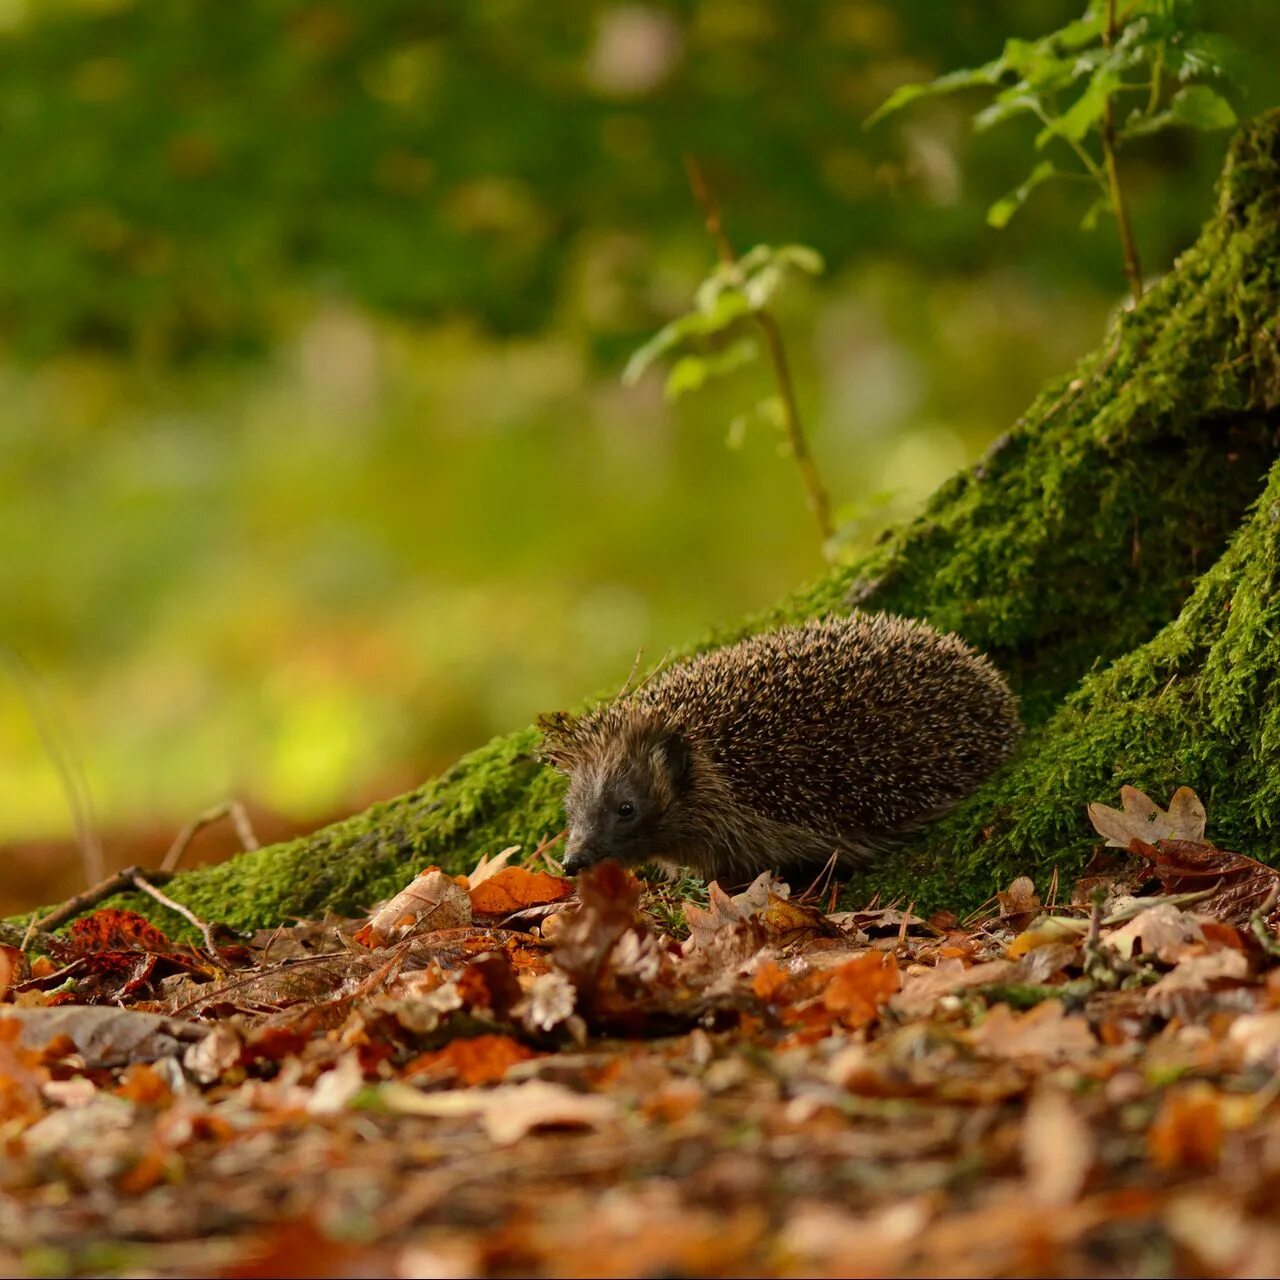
(671, 753)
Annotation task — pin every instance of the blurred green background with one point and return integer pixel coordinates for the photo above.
(315, 467)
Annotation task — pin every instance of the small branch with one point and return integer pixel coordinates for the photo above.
(126, 878)
(239, 819)
(80, 902)
(1132, 267)
(141, 883)
(819, 502)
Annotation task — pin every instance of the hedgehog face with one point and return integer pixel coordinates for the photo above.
(622, 807)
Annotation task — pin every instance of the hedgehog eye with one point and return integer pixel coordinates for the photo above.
(626, 810)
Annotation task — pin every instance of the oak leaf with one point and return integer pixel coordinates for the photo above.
(1139, 817)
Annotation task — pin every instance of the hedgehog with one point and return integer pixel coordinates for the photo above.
(837, 738)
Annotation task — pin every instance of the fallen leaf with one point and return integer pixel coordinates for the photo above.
(1057, 1148)
(1241, 885)
(1139, 817)
(1258, 1035)
(473, 1060)
(514, 888)
(922, 990)
(1161, 931)
(1195, 973)
(1019, 898)
(857, 989)
(432, 901)
(490, 866)
(1046, 1031)
(105, 1036)
(508, 1112)
(1187, 1130)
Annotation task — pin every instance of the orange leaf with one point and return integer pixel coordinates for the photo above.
(856, 990)
(476, 1060)
(1187, 1132)
(514, 888)
(769, 979)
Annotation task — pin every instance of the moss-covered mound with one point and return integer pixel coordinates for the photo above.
(1116, 553)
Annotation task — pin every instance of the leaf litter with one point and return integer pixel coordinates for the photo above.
(510, 1074)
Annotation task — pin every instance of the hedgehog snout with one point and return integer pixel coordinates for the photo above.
(580, 852)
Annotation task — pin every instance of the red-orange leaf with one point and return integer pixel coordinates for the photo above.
(514, 888)
(856, 990)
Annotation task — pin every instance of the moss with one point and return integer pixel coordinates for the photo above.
(1108, 553)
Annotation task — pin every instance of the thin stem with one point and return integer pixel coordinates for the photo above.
(819, 501)
(1132, 267)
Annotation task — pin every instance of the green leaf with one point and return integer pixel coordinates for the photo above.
(692, 372)
(802, 257)
(1087, 109)
(1206, 55)
(1091, 215)
(965, 78)
(1004, 208)
(657, 346)
(1012, 101)
(1200, 107)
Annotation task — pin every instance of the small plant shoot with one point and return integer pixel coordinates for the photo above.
(708, 341)
(1118, 73)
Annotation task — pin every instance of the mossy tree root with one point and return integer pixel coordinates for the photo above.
(1117, 555)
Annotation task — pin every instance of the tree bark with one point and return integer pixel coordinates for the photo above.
(1116, 554)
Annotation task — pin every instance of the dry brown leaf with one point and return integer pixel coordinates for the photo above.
(1019, 898)
(105, 1036)
(488, 867)
(508, 1112)
(1139, 817)
(1047, 1032)
(1258, 1035)
(1161, 930)
(922, 989)
(430, 902)
(1241, 885)
(1057, 1148)
(1195, 973)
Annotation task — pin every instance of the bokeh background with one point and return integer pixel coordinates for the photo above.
(315, 465)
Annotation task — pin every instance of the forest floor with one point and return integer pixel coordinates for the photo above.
(509, 1074)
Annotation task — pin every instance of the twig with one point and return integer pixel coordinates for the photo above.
(1132, 268)
(819, 502)
(126, 878)
(230, 808)
(80, 902)
(819, 884)
(140, 882)
(1258, 923)
(541, 852)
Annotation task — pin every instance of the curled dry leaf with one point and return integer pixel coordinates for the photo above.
(431, 901)
(488, 867)
(1240, 885)
(1140, 818)
(549, 1001)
